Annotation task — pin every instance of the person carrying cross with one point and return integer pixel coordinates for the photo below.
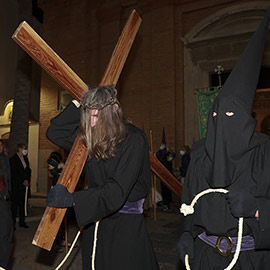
(118, 177)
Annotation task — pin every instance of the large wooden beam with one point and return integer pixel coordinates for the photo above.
(37, 48)
(167, 178)
(26, 37)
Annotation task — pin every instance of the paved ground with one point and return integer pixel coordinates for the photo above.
(164, 233)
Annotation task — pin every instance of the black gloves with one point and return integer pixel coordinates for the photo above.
(241, 203)
(185, 246)
(59, 197)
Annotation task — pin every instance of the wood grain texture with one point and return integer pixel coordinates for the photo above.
(42, 53)
(122, 48)
(37, 48)
(52, 217)
(158, 169)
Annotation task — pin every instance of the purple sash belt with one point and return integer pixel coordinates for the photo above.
(133, 207)
(212, 240)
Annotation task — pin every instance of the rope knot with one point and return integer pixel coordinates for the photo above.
(186, 209)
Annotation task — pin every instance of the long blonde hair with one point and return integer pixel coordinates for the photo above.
(110, 129)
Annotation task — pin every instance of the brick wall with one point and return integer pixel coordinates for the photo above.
(151, 86)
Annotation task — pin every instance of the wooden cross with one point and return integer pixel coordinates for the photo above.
(37, 48)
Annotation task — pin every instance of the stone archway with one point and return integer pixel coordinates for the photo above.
(219, 39)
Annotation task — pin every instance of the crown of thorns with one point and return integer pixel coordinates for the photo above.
(99, 106)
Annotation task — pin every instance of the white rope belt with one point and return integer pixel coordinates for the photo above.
(25, 201)
(71, 248)
(73, 244)
(189, 209)
(94, 245)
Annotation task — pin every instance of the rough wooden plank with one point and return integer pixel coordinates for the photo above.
(120, 53)
(52, 217)
(37, 48)
(42, 53)
(158, 169)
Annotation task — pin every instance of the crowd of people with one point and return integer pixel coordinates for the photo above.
(232, 161)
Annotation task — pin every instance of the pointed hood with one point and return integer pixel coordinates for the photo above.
(242, 82)
(230, 129)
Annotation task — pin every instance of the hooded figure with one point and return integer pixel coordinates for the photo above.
(234, 157)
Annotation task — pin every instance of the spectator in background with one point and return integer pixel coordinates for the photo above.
(55, 166)
(20, 179)
(185, 159)
(5, 187)
(162, 151)
(161, 156)
(166, 193)
(6, 232)
(6, 228)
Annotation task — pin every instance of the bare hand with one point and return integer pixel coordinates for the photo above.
(60, 165)
(26, 183)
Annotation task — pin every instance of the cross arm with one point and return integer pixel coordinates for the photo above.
(37, 48)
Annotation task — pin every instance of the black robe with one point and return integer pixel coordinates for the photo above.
(212, 213)
(123, 242)
(235, 157)
(6, 232)
(18, 175)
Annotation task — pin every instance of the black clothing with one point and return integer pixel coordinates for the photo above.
(235, 157)
(229, 140)
(18, 175)
(241, 203)
(54, 160)
(60, 197)
(185, 159)
(123, 242)
(213, 215)
(185, 246)
(5, 187)
(6, 232)
(165, 191)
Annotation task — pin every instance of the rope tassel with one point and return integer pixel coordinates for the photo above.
(189, 209)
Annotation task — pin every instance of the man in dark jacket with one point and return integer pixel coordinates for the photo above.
(20, 179)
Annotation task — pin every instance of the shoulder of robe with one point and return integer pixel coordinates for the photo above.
(135, 136)
(198, 148)
(135, 133)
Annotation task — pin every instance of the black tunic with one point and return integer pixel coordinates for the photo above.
(123, 242)
(233, 156)
(18, 175)
(212, 213)
(6, 232)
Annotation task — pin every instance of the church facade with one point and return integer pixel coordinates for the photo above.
(177, 48)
